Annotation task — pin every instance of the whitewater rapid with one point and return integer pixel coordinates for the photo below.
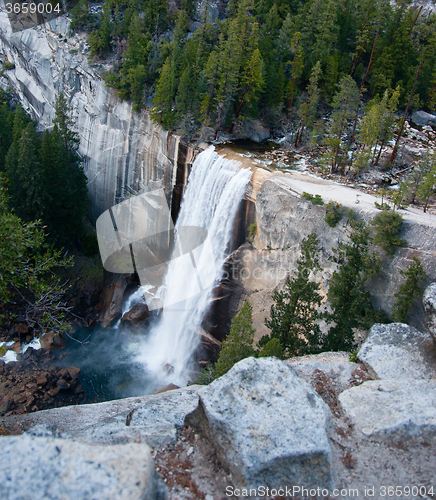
(212, 198)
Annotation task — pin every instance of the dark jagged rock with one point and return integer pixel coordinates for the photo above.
(136, 315)
(209, 347)
(111, 302)
(51, 341)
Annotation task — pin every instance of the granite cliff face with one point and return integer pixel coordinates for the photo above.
(284, 218)
(121, 149)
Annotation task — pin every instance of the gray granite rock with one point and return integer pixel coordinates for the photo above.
(267, 425)
(399, 351)
(429, 304)
(49, 469)
(402, 410)
(423, 118)
(154, 419)
(336, 367)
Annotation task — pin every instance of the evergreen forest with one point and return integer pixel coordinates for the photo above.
(277, 60)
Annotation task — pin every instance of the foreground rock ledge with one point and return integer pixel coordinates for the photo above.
(399, 351)
(48, 469)
(401, 411)
(268, 426)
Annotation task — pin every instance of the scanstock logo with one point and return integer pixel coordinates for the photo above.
(138, 235)
(24, 14)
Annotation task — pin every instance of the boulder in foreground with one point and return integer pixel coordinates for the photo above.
(267, 425)
(399, 351)
(401, 411)
(49, 469)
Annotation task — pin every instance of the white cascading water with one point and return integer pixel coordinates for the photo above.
(213, 194)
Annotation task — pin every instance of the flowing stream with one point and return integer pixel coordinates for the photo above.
(212, 198)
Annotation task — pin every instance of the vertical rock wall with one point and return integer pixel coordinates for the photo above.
(122, 149)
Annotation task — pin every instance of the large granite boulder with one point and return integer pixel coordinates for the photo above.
(422, 118)
(401, 406)
(429, 304)
(399, 351)
(49, 468)
(154, 419)
(267, 425)
(399, 410)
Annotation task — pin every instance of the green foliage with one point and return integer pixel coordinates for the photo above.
(45, 178)
(377, 128)
(239, 342)
(315, 199)
(260, 58)
(332, 213)
(206, 376)
(353, 357)
(344, 104)
(387, 224)
(272, 348)
(8, 66)
(81, 18)
(427, 187)
(307, 109)
(349, 300)
(252, 229)
(409, 290)
(294, 312)
(27, 265)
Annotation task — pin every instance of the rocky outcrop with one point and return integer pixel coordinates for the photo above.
(284, 218)
(330, 373)
(136, 315)
(269, 426)
(51, 341)
(429, 304)
(422, 118)
(399, 351)
(111, 301)
(155, 419)
(247, 416)
(51, 469)
(122, 149)
(398, 410)
(400, 406)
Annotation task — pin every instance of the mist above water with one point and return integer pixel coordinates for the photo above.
(212, 198)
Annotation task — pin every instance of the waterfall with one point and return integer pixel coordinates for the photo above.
(213, 194)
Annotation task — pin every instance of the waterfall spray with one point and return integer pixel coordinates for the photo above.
(213, 194)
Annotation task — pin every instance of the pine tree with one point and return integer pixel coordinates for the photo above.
(24, 182)
(409, 290)
(297, 70)
(163, 99)
(239, 342)
(427, 186)
(294, 312)
(350, 301)
(100, 40)
(387, 224)
(64, 184)
(307, 109)
(6, 118)
(344, 105)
